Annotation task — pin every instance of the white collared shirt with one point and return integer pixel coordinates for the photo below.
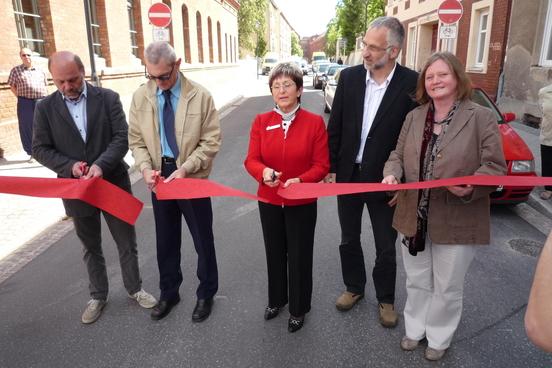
(372, 101)
(77, 110)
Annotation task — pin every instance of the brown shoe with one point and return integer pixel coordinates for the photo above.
(347, 300)
(387, 315)
(434, 354)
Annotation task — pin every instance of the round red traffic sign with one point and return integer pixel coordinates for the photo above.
(159, 15)
(450, 11)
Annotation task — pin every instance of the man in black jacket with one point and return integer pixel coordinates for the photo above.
(370, 105)
(80, 131)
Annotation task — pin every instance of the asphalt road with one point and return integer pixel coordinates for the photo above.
(41, 304)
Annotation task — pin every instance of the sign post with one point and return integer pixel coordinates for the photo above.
(159, 15)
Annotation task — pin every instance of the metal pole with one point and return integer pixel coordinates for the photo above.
(93, 75)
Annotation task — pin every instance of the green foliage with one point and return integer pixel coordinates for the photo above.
(295, 46)
(260, 50)
(251, 23)
(351, 20)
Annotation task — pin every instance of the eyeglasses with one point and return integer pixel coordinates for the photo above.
(285, 86)
(374, 48)
(161, 78)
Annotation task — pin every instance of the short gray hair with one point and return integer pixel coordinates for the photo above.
(287, 69)
(395, 36)
(160, 50)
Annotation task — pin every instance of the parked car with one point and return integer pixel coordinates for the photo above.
(319, 73)
(519, 157)
(269, 61)
(330, 73)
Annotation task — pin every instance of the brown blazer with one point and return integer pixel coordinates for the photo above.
(471, 146)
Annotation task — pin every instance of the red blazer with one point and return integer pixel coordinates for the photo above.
(303, 154)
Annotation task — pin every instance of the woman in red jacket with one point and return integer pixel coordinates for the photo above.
(287, 145)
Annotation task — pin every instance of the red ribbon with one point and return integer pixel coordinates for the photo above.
(188, 188)
(96, 192)
(316, 190)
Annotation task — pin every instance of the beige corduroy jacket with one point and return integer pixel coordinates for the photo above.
(196, 123)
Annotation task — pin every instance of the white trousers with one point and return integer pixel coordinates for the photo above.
(435, 286)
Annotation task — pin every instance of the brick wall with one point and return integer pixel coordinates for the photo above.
(497, 45)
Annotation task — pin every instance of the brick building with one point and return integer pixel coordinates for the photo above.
(312, 44)
(480, 43)
(203, 32)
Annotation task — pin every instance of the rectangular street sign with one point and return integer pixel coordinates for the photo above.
(161, 34)
(447, 31)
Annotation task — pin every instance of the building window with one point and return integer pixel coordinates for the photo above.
(186, 26)
(28, 22)
(199, 38)
(132, 28)
(210, 36)
(411, 53)
(171, 39)
(219, 42)
(546, 53)
(226, 45)
(482, 38)
(95, 25)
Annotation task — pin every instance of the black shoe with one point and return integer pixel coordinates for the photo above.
(295, 323)
(163, 308)
(271, 312)
(202, 309)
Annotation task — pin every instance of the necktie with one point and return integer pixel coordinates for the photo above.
(168, 123)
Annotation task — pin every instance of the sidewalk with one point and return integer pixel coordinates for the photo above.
(27, 222)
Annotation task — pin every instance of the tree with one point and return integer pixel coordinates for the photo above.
(260, 50)
(295, 46)
(251, 24)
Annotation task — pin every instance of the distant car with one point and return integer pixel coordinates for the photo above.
(519, 157)
(270, 60)
(329, 91)
(330, 73)
(319, 74)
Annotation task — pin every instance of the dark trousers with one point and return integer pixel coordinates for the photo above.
(288, 233)
(198, 214)
(25, 115)
(546, 162)
(350, 208)
(89, 231)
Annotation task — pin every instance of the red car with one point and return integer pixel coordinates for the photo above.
(519, 157)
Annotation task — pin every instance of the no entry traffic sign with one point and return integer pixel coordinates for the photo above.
(450, 11)
(159, 15)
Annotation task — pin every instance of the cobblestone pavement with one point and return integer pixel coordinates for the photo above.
(30, 225)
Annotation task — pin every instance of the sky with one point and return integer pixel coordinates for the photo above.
(308, 17)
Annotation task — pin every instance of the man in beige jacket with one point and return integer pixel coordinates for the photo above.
(174, 131)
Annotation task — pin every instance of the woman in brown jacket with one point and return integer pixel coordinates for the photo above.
(447, 136)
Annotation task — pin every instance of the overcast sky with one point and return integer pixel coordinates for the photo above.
(308, 17)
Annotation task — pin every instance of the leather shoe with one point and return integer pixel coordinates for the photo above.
(271, 312)
(295, 323)
(347, 300)
(162, 309)
(202, 309)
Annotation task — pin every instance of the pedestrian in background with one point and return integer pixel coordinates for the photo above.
(287, 145)
(370, 104)
(80, 131)
(545, 102)
(447, 136)
(175, 131)
(28, 83)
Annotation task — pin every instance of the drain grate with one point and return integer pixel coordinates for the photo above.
(525, 246)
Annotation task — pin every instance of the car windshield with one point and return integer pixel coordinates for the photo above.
(323, 67)
(334, 69)
(481, 98)
(319, 57)
(271, 61)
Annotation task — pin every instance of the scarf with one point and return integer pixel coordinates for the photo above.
(287, 118)
(430, 146)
